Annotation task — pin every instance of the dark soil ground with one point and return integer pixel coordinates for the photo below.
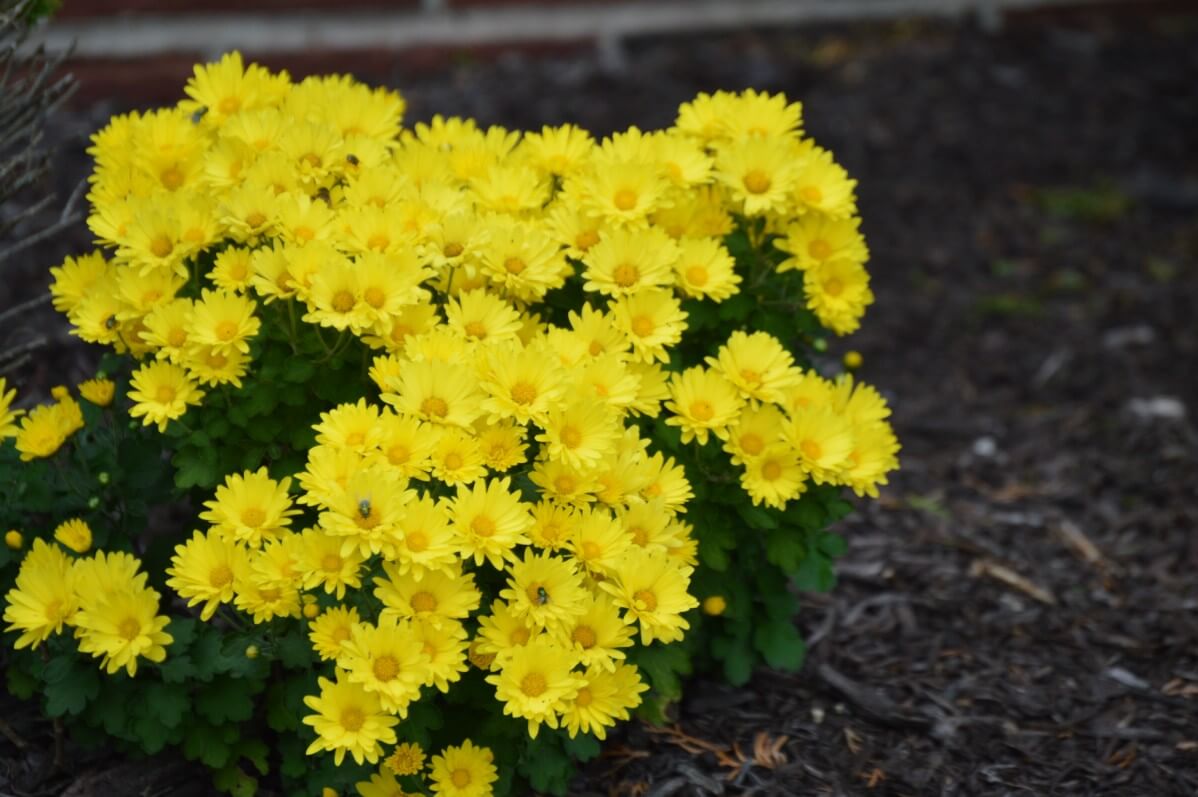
(1019, 613)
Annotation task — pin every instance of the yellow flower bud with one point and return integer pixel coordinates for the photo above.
(251, 652)
(60, 392)
(853, 360)
(311, 611)
(714, 605)
(327, 792)
(14, 540)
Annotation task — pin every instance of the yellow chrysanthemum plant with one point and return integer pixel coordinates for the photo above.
(480, 439)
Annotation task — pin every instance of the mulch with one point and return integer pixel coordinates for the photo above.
(1017, 614)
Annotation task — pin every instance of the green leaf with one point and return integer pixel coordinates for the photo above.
(298, 370)
(285, 703)
(231, 780)
(21, 684)
(196, 467)
(69, 686)
(757, 517)
(781, 645)
(227, 699)
(203, 742)
(662, 665)
(256, 752)
(583, 747)
(168, 702)
(832, 545)
(737, 658)
(546, 765)
(785, 549)
(815, 573)
(295, 651)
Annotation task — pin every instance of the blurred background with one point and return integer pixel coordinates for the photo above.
(1019, 613)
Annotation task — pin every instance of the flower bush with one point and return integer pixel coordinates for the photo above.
(423, 456)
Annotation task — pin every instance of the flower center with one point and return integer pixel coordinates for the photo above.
(378, 242)
(398, 454)
(833, 286)
(476, 329)
(697, 275)
(304, 233)
(524, 393)
(811, 194)
(330, 563)
(161, 246)
(533, 684)
(220, 575)
(811, 449)
(585, 636)
(129, 629)
(385, 668)
(172, 178)
(460, 777)
(352, 719)
(229, 105)
(343, 301)
(176, 337)
(584, 697)
(340, 633)
(253, 517)
(434, 406)
(423, 602)
(482, 526)
(771, 471)
(646, 597)
(375, 297)
(452, 249)
(625, 199)
(256, 218)
(591, 550)
(643, 326)
(586, 239)
(226, 330)
(514, 265)
(534, 591)
(564, 483)
(626, 275)
(819, 249)
(453, 460)
(165, 394)
(54, 610)
(518, 636)
(751, 443)
(757, 182)
(215, 360)
(571, 437)
(702, 410)
(416, 541)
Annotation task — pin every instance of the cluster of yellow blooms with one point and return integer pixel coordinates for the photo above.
(499, 440)
(104, 597)
(43, 430)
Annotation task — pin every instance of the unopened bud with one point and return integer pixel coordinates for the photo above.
(102, 477)
(14, 540)
(714, 605)
(853, 360)
(311, 611)
(93, 502)
(819, 344)
(251, 652)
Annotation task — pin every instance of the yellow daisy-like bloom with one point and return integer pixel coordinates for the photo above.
(607, 696)
(331, 630)
(250, 507)
(756, 114)
(440, 597)
(651, 588)
(479, 315)
(551, 525)
(381, 784)
(623, 193)
(599, 634)
(457, 459)
(580, 433)
(489, 520)
(756, 429)
(536, 681)
(702, 402)
(774, 477)
(500, 633)
(598, 542)
(43, 431)
(518, 257)
(43, 598)
(161, 392)
(759, 173)
(874, 454)
(546, 592)
(404, 443)
(204, 568)
(629, 260)
(212, 366)
(225, 88)
(98, 391)
(597, 332)
(558, 151)
(123, 627)
(74, 534)
(351, 426)
(838, 293)
(366, 514)
(563, 484)
(323, 565)
(823, 440)
(758, 364)
(437, 393)
(823, 186)
(224, 321)
(426, 542)
(166, 329)
(464, 771)
(814, 239)
(75, 279)
(653, 320)
(446, 646)
(502, 446)
(264, 599)
(406, 759)
(388, 660)
(706, 270)
(349, 719)
(521, 383)
(811, 392)
(8, 416)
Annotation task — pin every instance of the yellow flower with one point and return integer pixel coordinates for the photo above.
(546, 592)
(653, 320)
(598, 635)
(558, 150)
(445, 645)
(580, 433)
(823, 440)
(224, 321)
(440, 597)
(535, 682)
(98, 391)
(629, 260)
(823, 186)
(489, 520)
(598, 541)
(457, 459)
(623, 193)
(521, 383)
(464, 771)
(43, 431)
(352, 426)
(387, 660)
(331, 630)
(75, 278)
(606, 696)
(758, 364)
(349, 719)
(502, 446)
(8, 416)
(706, 270)
(366, 514)
(814, 239)
(323, 565)
(759, 173)
(406, 759)
(500, 633)
(758, 114)
(161, 392)
(122, 627)
(43, 598)
(426, 540)
(479, 315)
(652, 590)
(756, 429)
(250, 507)
(838, 293)
(702, 401)
(436, 392)
(74, 534)
(774, 476)
(203, 570)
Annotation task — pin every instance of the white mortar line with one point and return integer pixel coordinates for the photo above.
(135, 36)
